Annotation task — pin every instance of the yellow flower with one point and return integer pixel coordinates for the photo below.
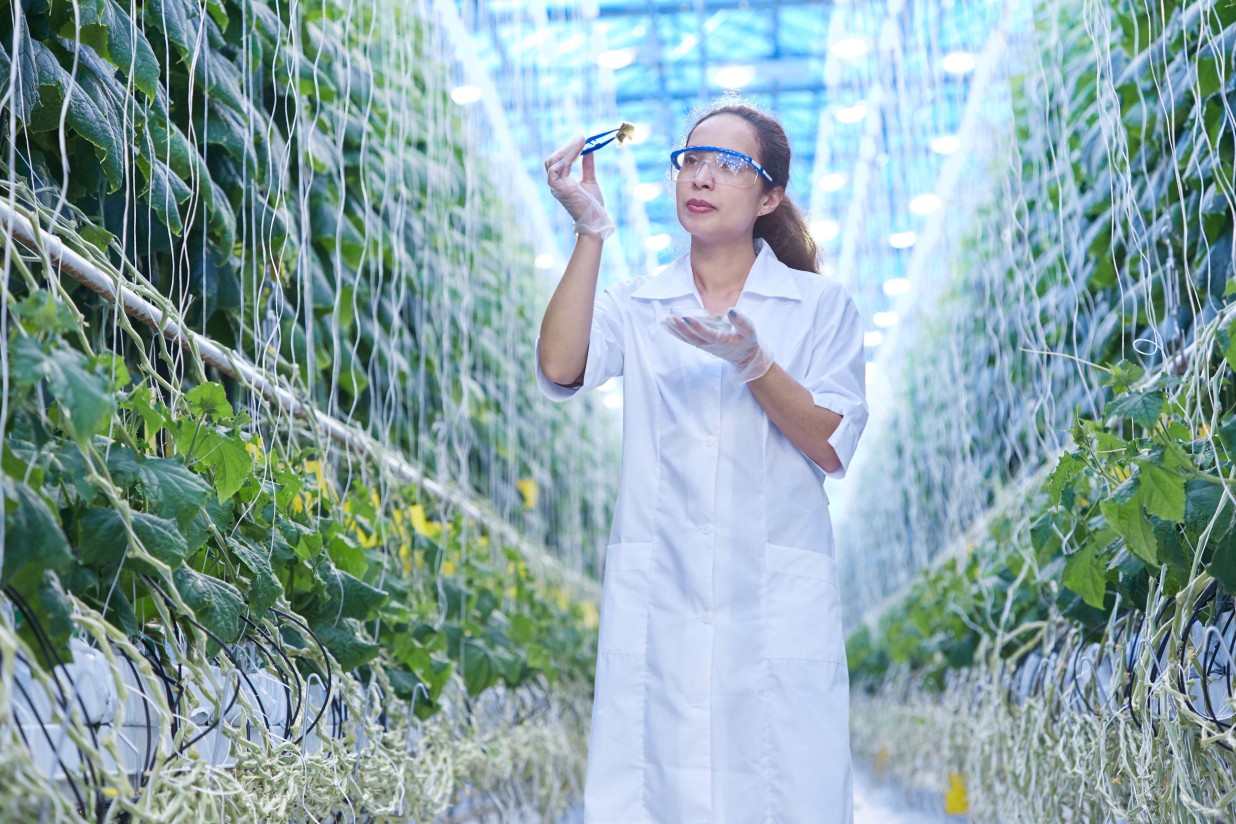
(405, 558)
(955, 800)
(255, 449)
(530, 490)
(448, 568)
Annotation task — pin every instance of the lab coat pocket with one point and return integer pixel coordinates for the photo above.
(802, 606)
(624, 599)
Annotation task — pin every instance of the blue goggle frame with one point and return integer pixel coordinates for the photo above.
(730, 152)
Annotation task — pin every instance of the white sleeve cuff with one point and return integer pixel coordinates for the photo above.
(844, 439)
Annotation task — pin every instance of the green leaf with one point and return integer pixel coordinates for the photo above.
(1143, 407)
(85, 115)
(1132, 525)
(1163, 492)
(122, 43)
(225, 455)
(345, 596)
(54, 612)
(264, 587)
(1202, 499)
(26, 79)
(210, 399)
(212, 512)
(1068, 467)
(217, 605)
(42, 313)
(479, 672)
(103, 541)
(349, 650)
(164, 192)
(83, 395)
(122, 466)
(172, 491)
(1222, 564)
(1086, 574)
(141, 400)
(33, 539)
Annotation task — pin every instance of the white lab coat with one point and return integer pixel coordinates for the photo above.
(722, 694)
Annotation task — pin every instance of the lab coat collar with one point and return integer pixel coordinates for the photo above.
(768, 277)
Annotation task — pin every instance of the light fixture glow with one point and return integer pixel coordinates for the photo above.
(851, 114)
(958, 62)
(885, 319)
(655, 243)
(825, 231)
(613, 401)
(871, 339)
(849, 48)
(896, 287)
(732, 77)
(683, 48)
(545, 260)
(832, 181)
(924, 204)
(465, 95)
(639, 133)
(946, 144)
(617, 58)
(902, 240)
(645, 192)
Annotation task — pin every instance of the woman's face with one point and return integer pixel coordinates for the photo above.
(715, 211)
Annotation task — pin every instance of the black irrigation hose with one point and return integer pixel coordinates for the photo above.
(148, 762)
(223, 647)
(330, 683)
(81, 803)
(1208, 655)
(50, 654)
(281, 677)
(288, 675)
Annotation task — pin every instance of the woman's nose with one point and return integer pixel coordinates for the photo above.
(700, 181)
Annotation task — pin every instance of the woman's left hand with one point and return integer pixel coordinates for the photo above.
(740, 347)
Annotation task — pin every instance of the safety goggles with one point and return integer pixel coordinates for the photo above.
(728, 166)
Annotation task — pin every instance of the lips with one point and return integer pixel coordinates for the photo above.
(696, 206)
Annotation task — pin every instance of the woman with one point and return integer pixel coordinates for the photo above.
(721, 684)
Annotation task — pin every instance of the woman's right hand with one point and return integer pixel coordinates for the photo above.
(581, 198)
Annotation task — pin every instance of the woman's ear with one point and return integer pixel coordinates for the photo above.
(771, 200)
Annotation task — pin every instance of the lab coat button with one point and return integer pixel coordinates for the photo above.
(710, 442)
(706, 529)
(707, 617)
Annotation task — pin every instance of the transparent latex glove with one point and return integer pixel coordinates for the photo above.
(730, 337)
(581, 198)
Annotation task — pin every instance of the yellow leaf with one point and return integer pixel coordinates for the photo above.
(405, 557)
(882, 758)
(430, 529)
(955, 800)
(592, 618)
(530, 490)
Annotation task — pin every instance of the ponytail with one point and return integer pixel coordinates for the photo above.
(784, 229)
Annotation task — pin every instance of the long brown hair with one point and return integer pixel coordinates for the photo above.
(784, 228)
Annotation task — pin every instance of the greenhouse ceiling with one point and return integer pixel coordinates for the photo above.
(872, 96)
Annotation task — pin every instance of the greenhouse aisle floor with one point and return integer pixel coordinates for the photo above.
(875, 802)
